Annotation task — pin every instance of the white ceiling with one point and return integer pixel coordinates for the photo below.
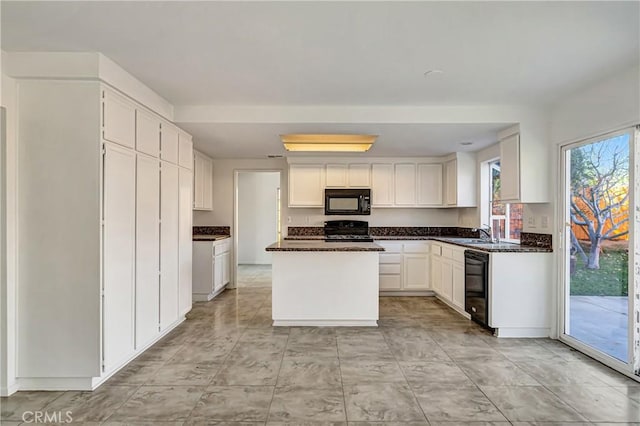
(403, 140)
(340, 53)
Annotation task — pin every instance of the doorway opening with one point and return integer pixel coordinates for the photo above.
(258, 214)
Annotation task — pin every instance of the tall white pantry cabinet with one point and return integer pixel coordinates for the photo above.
(104, 227)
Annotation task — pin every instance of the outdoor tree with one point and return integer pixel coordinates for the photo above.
(599, 195)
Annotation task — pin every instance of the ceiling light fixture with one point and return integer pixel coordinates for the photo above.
(327, 142)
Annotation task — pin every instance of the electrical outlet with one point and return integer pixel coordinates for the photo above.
(288, 219)
(531, 222)
(544, 221)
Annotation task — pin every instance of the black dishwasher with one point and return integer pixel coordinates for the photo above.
(476, 286)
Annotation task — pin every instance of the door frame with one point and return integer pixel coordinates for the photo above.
(626, 368)
(234, 230)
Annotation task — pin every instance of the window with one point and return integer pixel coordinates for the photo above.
(505, 219)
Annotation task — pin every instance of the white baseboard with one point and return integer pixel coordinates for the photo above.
(521, 332)
(325, 323)
(385, 293)
(455, 308)
(200, 297)
(9, 390)
(83, 383)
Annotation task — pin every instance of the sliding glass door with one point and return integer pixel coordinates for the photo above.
(599, 289)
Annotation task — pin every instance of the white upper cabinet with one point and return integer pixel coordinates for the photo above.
(510, 168)
(118, 119)
(169, 143)
(356, 175)
(405, 185)
(359, 176)
(382, 185)
(202, 182)
(147, 133)
(524, 164)
(306, 185)
(460, 180)
(336, 175)
(185, 151)
(430, 184)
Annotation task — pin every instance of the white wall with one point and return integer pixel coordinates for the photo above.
(257, 216)
(8, 240)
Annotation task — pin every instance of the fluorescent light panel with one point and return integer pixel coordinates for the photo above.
(327, 142)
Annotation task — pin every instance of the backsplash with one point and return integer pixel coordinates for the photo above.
(390, 231)
(305, 231)
(536, 240)
(211, 230)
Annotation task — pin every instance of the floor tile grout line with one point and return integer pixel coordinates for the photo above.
(344, 396)
(273, 394)
(415, 398)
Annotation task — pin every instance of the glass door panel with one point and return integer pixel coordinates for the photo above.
(597, 200)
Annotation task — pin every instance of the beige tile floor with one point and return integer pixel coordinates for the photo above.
(424, 365)
(254, 276)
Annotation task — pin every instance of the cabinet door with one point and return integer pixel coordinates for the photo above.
(169, 143)
(226, 267)
(359, 176)
(218, 271)
(185, 233)
(451, 171)
(119, 192)
(382, 185)
(436, 274)
(207, 185)
(336, 175)
(306, 185)
(416, 272)
(169, 244)
(147, 133)
(198, 182)
(185, 151)
(147, 249)
(390, 282)
(510, 168)
(119, 119)
(446, 283)
(405, 184)
(430, 184)
(458, 285)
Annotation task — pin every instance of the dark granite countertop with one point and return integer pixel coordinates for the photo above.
(320, 245)
(210, 237)
(463, 242)
(493, 247)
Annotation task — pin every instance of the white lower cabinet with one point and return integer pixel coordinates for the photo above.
(447, 274)
(119, 237)
(147, 249)
(211, 268)
(404, 266)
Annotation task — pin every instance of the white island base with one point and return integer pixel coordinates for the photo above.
(325, 288)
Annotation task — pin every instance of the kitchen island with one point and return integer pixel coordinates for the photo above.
(318, 283)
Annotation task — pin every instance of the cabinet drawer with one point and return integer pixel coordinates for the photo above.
(391, 247)
(436, 249)
(418, 247)
(390, 282)
(458, 256)
(447, 252)
(389, 268)
(221, 248)
(390, 258)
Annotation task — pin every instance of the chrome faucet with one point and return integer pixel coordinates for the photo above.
(486, 234)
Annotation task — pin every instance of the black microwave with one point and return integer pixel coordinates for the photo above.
(347, 201)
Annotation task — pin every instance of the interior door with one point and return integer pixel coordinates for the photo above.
(598, 241)
(119, 216)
